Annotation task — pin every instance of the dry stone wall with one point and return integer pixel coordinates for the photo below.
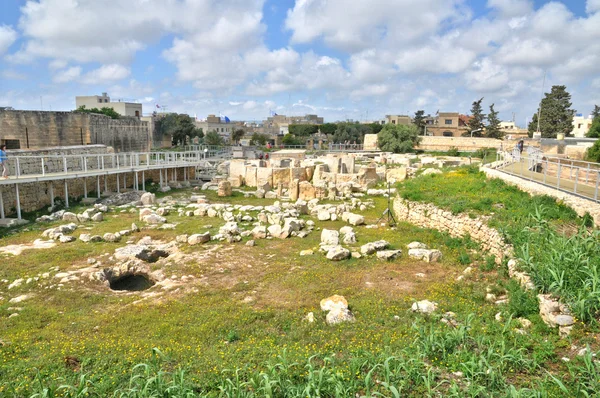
(457, 225)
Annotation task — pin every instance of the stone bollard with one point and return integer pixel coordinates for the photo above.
(224, 188)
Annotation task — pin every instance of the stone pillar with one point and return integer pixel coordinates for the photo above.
(224, 188)
(294, 190)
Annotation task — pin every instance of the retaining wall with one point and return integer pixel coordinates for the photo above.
(457, 225)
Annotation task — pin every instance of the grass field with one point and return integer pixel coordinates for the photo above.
(236, 329)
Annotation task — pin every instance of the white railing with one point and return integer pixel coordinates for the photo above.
(568, 175)
(27, 166)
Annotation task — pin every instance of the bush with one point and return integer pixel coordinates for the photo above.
(398, 138)
(453, 151)
(593, 152)
(521, 303)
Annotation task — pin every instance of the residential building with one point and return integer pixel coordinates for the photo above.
(581, 125)
(448, 124)
(103, 101)
(216, 124)
(279, 124)
(512, 131)
(398, 119)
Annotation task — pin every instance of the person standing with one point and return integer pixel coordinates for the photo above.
(4, 161)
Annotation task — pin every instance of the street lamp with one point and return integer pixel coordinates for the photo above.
(475, 131)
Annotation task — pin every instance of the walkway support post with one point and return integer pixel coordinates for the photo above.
(18, 201)
(66, 195)
(1, 204)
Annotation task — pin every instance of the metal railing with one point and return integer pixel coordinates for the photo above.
(571, 176)
(28, 166)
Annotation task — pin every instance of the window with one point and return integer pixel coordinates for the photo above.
(393, 122)
(579, 125)
(447, 134)
(99, 99)
(106, 100)
(137, 113)
(448, 121)
(12, 144)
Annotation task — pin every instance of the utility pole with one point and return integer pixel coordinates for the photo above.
(540, 108)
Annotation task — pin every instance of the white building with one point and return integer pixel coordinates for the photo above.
(103, 101)
(581, 125)
(214, 123)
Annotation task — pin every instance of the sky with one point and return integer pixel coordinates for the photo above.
(341, 59)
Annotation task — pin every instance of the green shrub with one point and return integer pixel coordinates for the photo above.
(453, 151)
(521, 303)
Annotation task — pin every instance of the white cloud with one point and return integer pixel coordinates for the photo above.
(67, 75)
(106, 74)
(592, 6)
(7, 37)
(511, 8)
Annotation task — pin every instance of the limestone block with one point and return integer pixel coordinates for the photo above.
(397, 174)
(251, 176)
(367, 176)
(237, 168)
(298, 173)
(370, 142)
(347, 165)
(294, 190)
(236, 182)
(306, 191)
(264, 175)
(281, 175)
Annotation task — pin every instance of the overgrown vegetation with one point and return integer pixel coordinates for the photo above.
(398, 138)
(110, 112)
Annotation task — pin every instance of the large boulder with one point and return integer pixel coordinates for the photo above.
(148, 199)
(334, 302)
(427, 255)
(259, 232)
(330, 237)
(353, 219)
(373, 247)
(338, 253)
(389, 255)
(197, 239)
(338, 316)
(230, 228)
(306, 191)
(70, 217)
(424, 306)
(154, 219)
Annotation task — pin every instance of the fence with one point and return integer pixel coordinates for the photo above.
(572, 176)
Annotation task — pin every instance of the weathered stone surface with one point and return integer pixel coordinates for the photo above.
(338, 253)
(230, 228)
(109, 237)
(275, 230)
(427, 255)
(141, 252)
(373, 247)
(330, 237)
(67, 239)
(353, 219)
(416, 245)
(334, 302)
(323, 215)
(424, 306)
(197, 239)
(259, 232)
(224, 188)
(338, 316)
(349, 238)
(397, 174)
(307, 252)
(148, 198)
(70, 217)
(306, 191)
(98, 217)
(388, 255)
(154, 219)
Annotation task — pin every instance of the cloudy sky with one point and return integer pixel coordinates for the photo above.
(342, 59)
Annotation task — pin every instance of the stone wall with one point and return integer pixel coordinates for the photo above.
(457, 225)
(461, 143)
(38, 129)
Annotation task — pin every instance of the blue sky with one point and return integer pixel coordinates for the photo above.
(359, 60)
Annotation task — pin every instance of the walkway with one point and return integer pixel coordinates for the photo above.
(44, 169)
(576, 177)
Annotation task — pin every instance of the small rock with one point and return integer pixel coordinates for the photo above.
(251, 243)
(424, 306)
(307, 252)
(389, 255)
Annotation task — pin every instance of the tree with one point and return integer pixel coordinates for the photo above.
(596, 111)
(259, 139)
(179, 126)
(290, 139)
(477, 119)
(594, 131)
(302, 130)
(375, 128)
(593, 152)
(398, 138)
(492, 130)
(110, 112)
(328, 128)
(556, 114)
(237, 135)
(213, 138)
(350, 132)
(419, 121)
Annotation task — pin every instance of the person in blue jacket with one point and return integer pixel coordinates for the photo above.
(4, 161)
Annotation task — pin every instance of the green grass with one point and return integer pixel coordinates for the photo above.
(204, 340)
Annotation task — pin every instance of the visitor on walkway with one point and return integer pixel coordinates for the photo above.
(4, 161)
(520, 146)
